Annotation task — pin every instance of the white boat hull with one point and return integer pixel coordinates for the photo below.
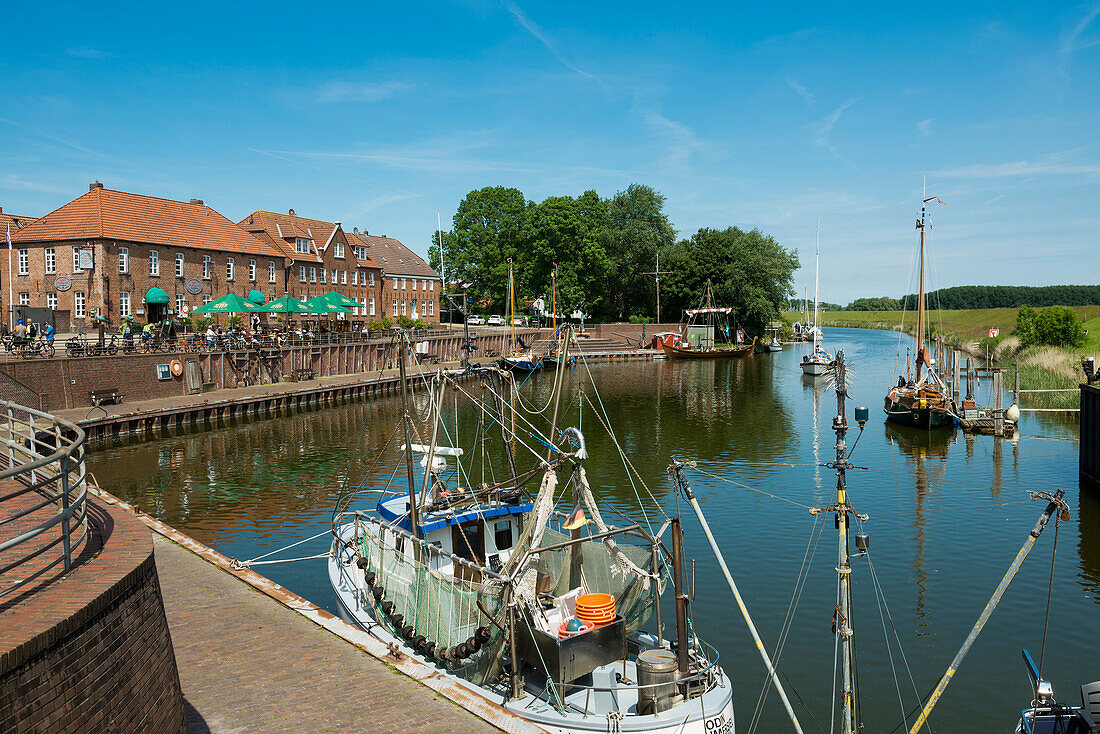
(710, 713)
(815, 368)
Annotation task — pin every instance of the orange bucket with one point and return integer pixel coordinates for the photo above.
(563, 633)
(599, 609)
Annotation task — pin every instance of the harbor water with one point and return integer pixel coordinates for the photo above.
(947, 514)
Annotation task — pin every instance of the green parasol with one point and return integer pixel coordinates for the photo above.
(229, 303)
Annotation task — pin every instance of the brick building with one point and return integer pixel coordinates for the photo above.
(411, 285)
(120, 254)
(321, 258)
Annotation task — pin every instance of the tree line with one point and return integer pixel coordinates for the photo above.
(986, 296)
(605, 254)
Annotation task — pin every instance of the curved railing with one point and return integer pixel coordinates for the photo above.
(43, 494)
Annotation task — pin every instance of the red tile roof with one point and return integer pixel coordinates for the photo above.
(108, 214)
(281, 230)
(394, 258)
(16, 221)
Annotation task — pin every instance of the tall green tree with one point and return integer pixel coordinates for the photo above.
(637, 227)
(749, 272)
(488, 228)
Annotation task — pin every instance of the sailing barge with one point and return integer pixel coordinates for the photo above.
(518, 602)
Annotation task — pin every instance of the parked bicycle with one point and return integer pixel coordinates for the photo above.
(80, 346)
(36, 348)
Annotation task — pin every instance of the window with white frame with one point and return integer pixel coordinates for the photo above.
(335, 275)
(431, 308)
(51, 301)
(395, 283)
(24, 299)
(414, 284)
(423, 285)
(252, 270)
(124, 303)
(24, 262)
(323, 272)
(313, 275)
(301, 273)
(271, 272)
(229, 268)
(370, 278)
(301, 245)
(355, 277)
(343, 277)
(50, 256)
(179, 264)
(154, 262)
(371, 301)
(395, 307)
(76, 260)
(180, 300)
(432, 284)
(124, 260)
(207, 267)
(205, 300)
(404, 307)
(79, 304)
(403, 284)
(338, 249)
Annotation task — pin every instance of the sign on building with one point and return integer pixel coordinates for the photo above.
(193, 286)
(85, 258)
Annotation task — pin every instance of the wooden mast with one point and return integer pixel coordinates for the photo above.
(511, 305)
(920, 295)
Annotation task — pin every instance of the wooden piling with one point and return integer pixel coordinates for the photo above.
(998, 404)
(969, 380)
(1090, 433)
(955, 359)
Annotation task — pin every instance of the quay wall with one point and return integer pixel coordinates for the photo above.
(91, 651)
(1090, 434)
(64, 383)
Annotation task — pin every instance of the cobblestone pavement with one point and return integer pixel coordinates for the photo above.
(248, 664)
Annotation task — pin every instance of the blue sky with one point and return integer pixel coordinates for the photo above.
(755, 115)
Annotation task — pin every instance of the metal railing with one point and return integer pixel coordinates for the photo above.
(41, 465)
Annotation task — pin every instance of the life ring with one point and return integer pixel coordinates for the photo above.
(177, 367)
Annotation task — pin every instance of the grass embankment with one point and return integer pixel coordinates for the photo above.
(1041, 368)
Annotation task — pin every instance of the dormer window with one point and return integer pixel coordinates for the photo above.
(301, 245)
(338, 249)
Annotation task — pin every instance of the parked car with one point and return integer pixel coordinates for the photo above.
(518, 321)
(475, 320)
(495, 320)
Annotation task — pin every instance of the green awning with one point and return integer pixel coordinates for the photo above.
(257, 297)
(156, 295)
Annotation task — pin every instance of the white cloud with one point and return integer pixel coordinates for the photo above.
(89, 53)
(1070, 40)
(538, 33)
(824, 130)
(924, 127)
(680, 139)
(1058, 164)
(341, 91)
(801, 91)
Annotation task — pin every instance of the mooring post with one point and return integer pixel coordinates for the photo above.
(956, 358)
(998, 402)
(969, 380)
(1016, 388)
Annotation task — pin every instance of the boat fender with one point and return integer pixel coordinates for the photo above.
(371, 577)
(440, 653)
(387, 607)
(464, 650)
(418, 642)
(408, 631)
(378, 592)
(363, 562)
(398, 620)
(481, 634)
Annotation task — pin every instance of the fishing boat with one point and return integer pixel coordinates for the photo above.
(681, 348)
(920, 398)
(816, 363)
(1046, 716)
(519, 357)
(524, 607)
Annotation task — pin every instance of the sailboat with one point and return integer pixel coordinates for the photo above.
(525, 360)
(921, 399)
(678, 347)
(522, 607)
(816, 363)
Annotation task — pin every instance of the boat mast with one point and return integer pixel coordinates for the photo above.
(920, 294)
(817, 271)
(414, 514)
(842, 618)
(554, 298)
(512, 304)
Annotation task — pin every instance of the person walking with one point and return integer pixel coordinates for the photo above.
(48, 333)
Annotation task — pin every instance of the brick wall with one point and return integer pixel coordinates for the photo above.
(92, 651)
(404, 293)
(629, 333)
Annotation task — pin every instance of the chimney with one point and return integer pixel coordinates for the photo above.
(354, 230)
(197, 201)
(291, 212)
(1, 210)
(94, 185)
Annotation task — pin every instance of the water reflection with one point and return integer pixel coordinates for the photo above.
(1088, 522)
